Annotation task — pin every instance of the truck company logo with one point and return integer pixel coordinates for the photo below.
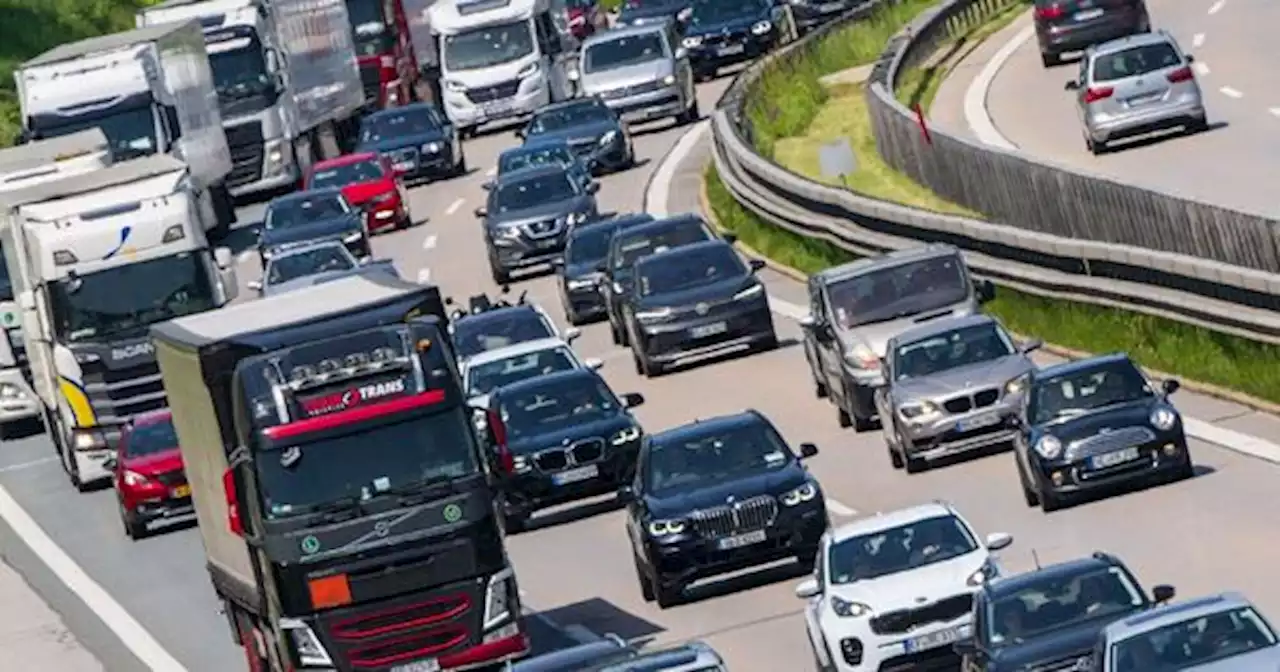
(452, 513)
(131, 351)
(341, 401)
(310, 545)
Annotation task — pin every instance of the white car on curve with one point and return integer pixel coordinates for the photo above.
(895, 590)
(492, 369)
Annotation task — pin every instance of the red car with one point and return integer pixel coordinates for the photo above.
(148, 474)
(368, 182)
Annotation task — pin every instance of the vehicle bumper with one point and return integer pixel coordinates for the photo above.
(585, 303)
(466, 114)
(668, 101)
(21, 403)
(862, 386)
(1076, 37)
(668, 342)
(360, 249)
(1161, 457)
(537, 489)
(709, 57)
(421, 166)
(147, 509)
(388, 217)
(90, 465)
(816, 13)
(517, 253)
(960, 433)
(609, 157)
(1157, 118)
(276, 170)
(857, 649)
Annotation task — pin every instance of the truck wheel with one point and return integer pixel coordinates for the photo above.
(224, 207)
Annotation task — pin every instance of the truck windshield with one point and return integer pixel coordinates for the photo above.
(488, 46)
(369, 27)
(240, 75)
(6, 287)
(130, 131)
(126, 299)
(296, 479)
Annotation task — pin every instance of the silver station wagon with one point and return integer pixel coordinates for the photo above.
(641, 73)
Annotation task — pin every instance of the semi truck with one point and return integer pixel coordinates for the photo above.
(347, 517)
(150, 91)
(94, 259)
(387, 52)
(286, 82)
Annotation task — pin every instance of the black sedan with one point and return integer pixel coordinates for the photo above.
(696, 300)
(313, 216)
(810, 14)
(589, 127)
(582, 285)
(718, 496)
(560, 438)
(631, 244)
(647, 12)
(724, 32)
(418, 142)
(1097, 423)
(528, 215)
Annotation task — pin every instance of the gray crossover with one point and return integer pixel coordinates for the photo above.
(641, 73)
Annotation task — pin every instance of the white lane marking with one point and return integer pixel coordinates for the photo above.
(244, 257)
(1216, 7)
(424, 276)
(976, 113)
(1201, 69)
(580, 634)
(1197, 40)
(659, 193)
(1275, 111)
(840, 509)
(1230, 92)
(27, 465)
(131, 633)
(429, 242)
(492, 171)
(453, 207)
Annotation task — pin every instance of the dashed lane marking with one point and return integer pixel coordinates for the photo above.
(453, 207)
(840, 509)
(27, 465)
(429, 243)
(1230, 92)
(1197, 40)
(1275, 111)
(491, 172)
(1201, 69)
(424, 276)
(1216, 7)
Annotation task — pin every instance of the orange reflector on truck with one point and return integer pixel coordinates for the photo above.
(330, 591)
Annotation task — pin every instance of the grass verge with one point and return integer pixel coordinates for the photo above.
(919, 85)
(1184, 350)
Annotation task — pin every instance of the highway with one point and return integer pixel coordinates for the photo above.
(1230, 165)
(1207, 534)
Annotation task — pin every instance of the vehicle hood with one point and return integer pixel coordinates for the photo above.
(876, 336)
(993, 373)
(718, 291)
(676, 503)
(635, 16)
(382, 266)
(576, 135)
(542, 212)
(1053, 645)
(728, 24)
(1132, 414)
(1262, 660)
(316, 230)
(581, 269)
(359, 193)
(603, 428)
(156, 463)
(915, 588)
(120, 353)
(616, 78)
(403, 142)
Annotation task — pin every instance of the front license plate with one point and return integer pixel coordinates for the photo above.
(708, 330)
(934, 640)
(497, 109)
(545, 244)
(741, 540)
(575, 475)
(731, 50)
(432, 665)
(1113, 458)
(404, 165)
(181, 491)
(977, 422)
(831, 7)
(1088, 14)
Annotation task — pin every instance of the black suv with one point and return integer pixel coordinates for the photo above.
(1073, 25)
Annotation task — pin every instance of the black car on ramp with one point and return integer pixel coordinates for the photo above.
(528, 215)
(314, 216)
(592, 130)
(721, 33)
(582, 283)
(418, 142)
(717, 496)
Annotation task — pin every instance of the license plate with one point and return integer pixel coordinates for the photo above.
(708, 330)
(731, 50)
(181, 491)
(575, 475)
(1142, 100)
(432, 665)
(934, 640)
(545, 244)
(404, 165)
(1113, 458)
(1088, 14)
(497, 109)
(741, 540)
(978, 422)
(831, 7)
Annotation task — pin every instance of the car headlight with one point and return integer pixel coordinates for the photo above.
(528, 70)
(669, 80)
(583, 283)
(11, 392)
(432, 147)
(985, 573)
(499, 598)
(1049, 447)
(692, 42)
(575, 218)
(1164, 418)
(507, 232)
(918, 409)
(310, 651)
(454, 85)
(762, 27)
(847, 609)
(618, 288)
(665, 528)
(802, 494)
(625, 436)
(1017, 385)
(861, 356)
(133, 478)
(608, 138)
(750, 292)
(353, 237)
(653, 315)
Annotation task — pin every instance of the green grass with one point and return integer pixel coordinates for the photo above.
(1165, 345)
(919, 85)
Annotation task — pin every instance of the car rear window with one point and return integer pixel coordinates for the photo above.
(1134, 62)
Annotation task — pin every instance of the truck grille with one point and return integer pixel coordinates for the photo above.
(980, 399)
(371, 82)
(904, 620)
(1118, 439)
(748, 515)
(246, 144)
(499, 91)
(117, 395)
(581, 452)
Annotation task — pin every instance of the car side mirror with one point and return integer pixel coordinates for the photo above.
(632, 399)
(998, 540)
(681, 53)
(757, 265)
(255, 285)
(964, 647)
(572, 334)
(808, 322)
(808, 589)
(594, 364)
(482, 212)
(986, 291)
(1170, 386)
(488, 186)
(808, 450)
(1072, 85)
(1031, 346)
(593, 187)
(625, 493)
(1163, 593)
(520, 133)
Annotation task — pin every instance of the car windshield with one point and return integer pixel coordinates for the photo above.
(700, 457)
(1193, 642)
(556, 406)
(1082, 391)
(643, 243)
(293, 265)
(531, 193)
(898, 291)
(552, 155)
(481, 333)
(951, 350)
(486, 377)
(151, 437)
(351, 173)
(568, 116)
(688, 269)
(369, 28)
(304, 210)
(899, 549)
(589, 244)
(488, 46)
(397, 124)
(624, 51)
(713, 12)
(360, 464)
(1135, 62)
(1062, 601)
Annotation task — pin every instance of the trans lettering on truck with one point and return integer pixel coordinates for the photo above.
(341, 401)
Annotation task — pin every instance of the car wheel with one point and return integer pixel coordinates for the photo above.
(1028, 494)
(646, 585)
(895, 457)
(1095, 148)
(461, 169)
(842, 417)
(73, 474)
(1199, 125)
(769, 343)
(650, 368)
(807, 558)
(666, 595)
(1050, 60)
(820, 390)
(499, 274)
(133, 528)
(861, 424)
(1186, 471)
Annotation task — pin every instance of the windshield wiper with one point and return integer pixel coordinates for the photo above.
(339, 510)
(417, 492)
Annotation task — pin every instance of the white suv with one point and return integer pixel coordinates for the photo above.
(896, 589)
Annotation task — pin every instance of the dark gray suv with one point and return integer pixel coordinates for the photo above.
(528, 215)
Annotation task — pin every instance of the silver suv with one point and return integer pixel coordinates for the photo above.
(640, 72)
(1136, 85)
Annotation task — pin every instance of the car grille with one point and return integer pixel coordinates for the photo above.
(633, 90)
(746, 516)
(246, 144)
(904, 620)
(499, 91)
(1077, 662)
(371, 82)
(726, 38)
(171, 479)
(402, 154)
(544, 229)
(967, 403)
(1107, 442)
(581, 452)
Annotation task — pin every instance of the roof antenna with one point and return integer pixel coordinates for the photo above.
(1036, 558)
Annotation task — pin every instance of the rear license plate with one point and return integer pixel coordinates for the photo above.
(934, 640)
(1088, 14)
(575, 475)
(731, 50)
(741, 540)
(831, 7)
(1143, 100)
(1113, 458)
(708, 330)
(978, 422)
(181, 491)
(404, 165)
(432, 665)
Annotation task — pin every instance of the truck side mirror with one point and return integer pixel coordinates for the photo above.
(223, 257)
(27, 300)
(272, 60)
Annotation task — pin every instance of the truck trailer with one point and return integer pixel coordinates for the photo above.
(286, 82)
(386, 51)
(150, 91)
(94, 260)
(347, 517)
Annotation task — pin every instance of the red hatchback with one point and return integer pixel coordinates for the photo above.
(148, 474)
(367, 182)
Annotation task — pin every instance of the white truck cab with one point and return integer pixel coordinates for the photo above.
(499, 59)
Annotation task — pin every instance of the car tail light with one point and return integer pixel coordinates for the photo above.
(1097, 93)
(506, 460)
(1050, 12)
(1182, 74)
(233, 502)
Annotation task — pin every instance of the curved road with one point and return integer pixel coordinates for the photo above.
(1210, 533)
(1232, 165)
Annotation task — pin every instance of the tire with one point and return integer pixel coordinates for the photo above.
(650, 368)
(134, 529)
(861, 424)
(73, 473)
(1186, 471)
(895, 458)
(1095, 148)
(690, 115)
(500, 275)
(1198, 126)
(820, 390)
(807, 558)
(769, 344)
(1028, 494)
(842, 417)
(461, 169)
(646, 586)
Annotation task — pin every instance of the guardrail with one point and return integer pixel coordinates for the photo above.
(1066, 234)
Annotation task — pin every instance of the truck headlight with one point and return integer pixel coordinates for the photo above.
(87, 358)
(625, 436)
(918, 409)
(500, 599)
(87, 439)
(583, 283)
(804, 493)
(1163, 418)
(665, 528)
(11, 392)
(1017, 385)
(306, 646)
(1049, 447)
(762, 27)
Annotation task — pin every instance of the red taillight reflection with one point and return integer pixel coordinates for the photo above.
(1182, 74)
(1050, 12)
(234, 524)
(506, 460)
(1097, 93)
